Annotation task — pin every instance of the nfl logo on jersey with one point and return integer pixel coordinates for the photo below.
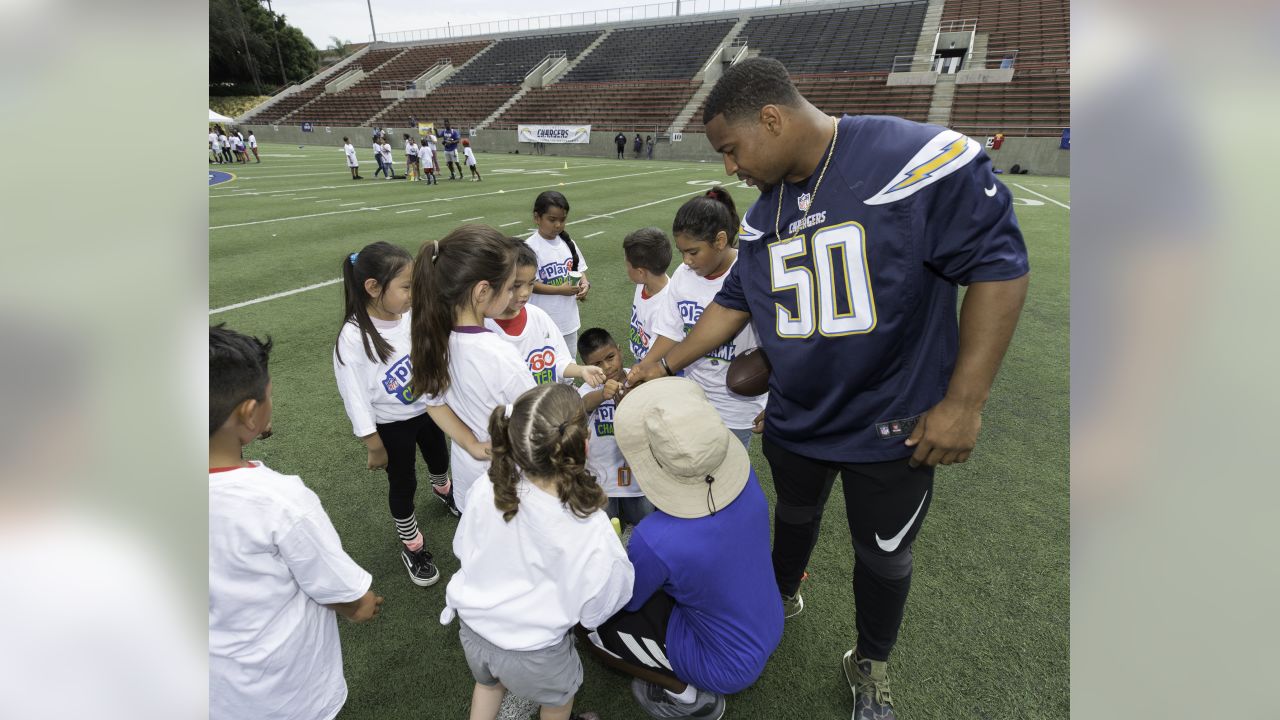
(804, 201)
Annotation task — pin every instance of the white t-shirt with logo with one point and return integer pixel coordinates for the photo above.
(275, 561)
(350, 151)
(604, 457)
(372, 391)
(386, 153)
(410, 148)
(644, 313)
(484, 373)
(554, 264)
(524, 584)
(687, 296)
(540, 345)
(253, 141)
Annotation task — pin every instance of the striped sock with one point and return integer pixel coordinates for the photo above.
(409, 534)
(440, 480)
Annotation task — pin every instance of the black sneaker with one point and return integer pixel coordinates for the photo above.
(422, 571)
(444, 493)
(657, 703)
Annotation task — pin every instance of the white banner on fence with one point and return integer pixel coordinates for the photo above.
(554, 133)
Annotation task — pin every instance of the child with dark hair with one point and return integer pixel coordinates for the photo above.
(535, 336)
(471, 160)
(648, 255)
(253, 145)
(353, 164)
(277, 570)
(627, 502)
(706, 233)
(561, 282)
(537, 557)
(463, 367)
(373, 370)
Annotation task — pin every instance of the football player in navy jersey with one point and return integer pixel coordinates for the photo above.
(848, 269)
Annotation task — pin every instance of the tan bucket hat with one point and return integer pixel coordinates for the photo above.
(686, 461)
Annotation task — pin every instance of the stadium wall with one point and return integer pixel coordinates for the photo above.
(1038, 155)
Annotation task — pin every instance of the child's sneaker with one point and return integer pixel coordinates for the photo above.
(659, 704)
(422, 571)
(444, 493)
(792, 605)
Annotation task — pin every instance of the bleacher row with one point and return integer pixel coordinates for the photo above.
(639, 78)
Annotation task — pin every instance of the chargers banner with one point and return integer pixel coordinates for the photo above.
(554, 133)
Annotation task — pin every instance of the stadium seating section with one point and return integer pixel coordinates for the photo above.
(1038, 101)
(640, 77)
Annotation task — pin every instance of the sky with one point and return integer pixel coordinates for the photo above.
(349, 19)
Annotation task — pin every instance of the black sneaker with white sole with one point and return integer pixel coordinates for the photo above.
(444, 493)
(422, 571)
(659, 704)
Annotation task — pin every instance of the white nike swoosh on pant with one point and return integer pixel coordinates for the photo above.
(892, 543)
(991, 191)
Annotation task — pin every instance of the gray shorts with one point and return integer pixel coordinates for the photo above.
(550, 676)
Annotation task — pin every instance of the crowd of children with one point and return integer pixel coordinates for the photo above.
(233, 147)
(475, 339)
(420, 158)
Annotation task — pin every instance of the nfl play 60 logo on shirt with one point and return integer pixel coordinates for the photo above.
(542, 365)
(604, 419)
(396, 381)
(555, 273)
(690, 311)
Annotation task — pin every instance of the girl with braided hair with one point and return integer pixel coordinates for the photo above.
(538, 556)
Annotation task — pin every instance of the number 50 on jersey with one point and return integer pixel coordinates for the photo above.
(835, 297)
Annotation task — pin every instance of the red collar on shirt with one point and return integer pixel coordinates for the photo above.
(515, 325)
(717, 275)
(246, 464)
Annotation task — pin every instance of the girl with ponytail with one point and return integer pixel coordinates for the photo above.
(463, 368)
(538, 556)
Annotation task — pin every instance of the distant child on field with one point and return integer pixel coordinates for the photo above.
(253, 145)
(372, 367)
(377, 156)
(427, 161)
(277, 570)
(457, 283)
(536, 338)
(648, 255)
(471, 160)
(706, 232)
(604, 460)
(537, 557)
(388, 163)
(352, 163)
(410, 158)
(560, 263)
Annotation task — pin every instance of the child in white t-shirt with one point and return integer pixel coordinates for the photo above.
(253, 145)
(471, 160)
(410, 158)
(215, 150)
(457, 283)
(277, 570)
(427, 160)
(604, 460)
(537, 557)
(352, 163)
(648, 255)
(388, 165)
(536, 338)
(560, 263)
(706, 232)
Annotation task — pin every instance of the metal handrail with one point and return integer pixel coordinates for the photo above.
(552, 54)
(958, 25)
(1006, 59)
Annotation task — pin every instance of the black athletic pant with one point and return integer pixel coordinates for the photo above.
(400, 438)
(885, 504)
(640, 638)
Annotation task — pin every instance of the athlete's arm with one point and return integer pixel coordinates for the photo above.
(948, 431)
(362, 609)
(545, 289)
(717, 326)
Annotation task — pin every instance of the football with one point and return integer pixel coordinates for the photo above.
(749, 373)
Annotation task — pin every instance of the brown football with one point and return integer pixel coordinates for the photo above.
(749, 373)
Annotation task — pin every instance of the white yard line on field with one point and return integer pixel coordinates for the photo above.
(1046, 197)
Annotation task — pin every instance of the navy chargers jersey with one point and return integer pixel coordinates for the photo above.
(855, 303)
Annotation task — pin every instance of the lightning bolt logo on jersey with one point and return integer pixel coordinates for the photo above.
(542, 365)
(396, 381)
(855, 302)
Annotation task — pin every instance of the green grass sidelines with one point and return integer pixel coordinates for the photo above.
(986, 629)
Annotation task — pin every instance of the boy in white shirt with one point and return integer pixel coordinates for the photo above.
(627, 502)
(537, 339)
(387, 163)
(277, 570)
(471, 160)
(427, 160)
(215, 150)
(648, 255)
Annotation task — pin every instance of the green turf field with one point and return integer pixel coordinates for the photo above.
(986, 629)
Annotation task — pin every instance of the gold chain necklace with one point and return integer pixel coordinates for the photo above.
(804, 207)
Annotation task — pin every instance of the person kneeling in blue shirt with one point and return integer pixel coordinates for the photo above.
(704, 616)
